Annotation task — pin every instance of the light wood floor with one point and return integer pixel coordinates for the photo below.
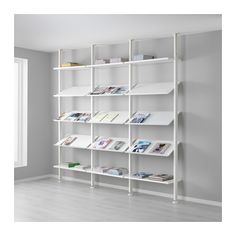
(47, 200)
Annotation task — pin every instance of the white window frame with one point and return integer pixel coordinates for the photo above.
(21, 113)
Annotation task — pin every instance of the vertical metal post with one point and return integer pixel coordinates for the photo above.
(175, 133)
(92, 114)
(130, 114)
(59, 112)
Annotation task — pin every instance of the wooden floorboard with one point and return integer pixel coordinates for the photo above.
(49, 201)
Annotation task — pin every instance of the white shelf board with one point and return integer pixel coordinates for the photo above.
(152, 61)
(71, 168)
(151, 181)
(109, 175)
(120, 119)
(69, 121)
(74, 92)
(118, 64)
(82, 67)
(150, 148)
(82, 141)
(151, 89)
(114, 139)
(155, 118)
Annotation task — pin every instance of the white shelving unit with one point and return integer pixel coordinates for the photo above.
(157, 118)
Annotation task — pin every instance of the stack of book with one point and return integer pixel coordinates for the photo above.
(139, 57)
(161, 177)
(101, 169)
(70, 164)
(68, 64)
(118, 59)
(142, 174)
(117, 171)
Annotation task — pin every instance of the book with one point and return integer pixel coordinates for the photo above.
(74, 116)
(101, 61)
(139, 117)
(122, 90)
(83, 167)
(142, 174)
(161, 177)
(118, 59)
(139, 57)
(68, 141)
(117, 171)
(140, 146)
(160, 148)
(110, 117)
(101, 169)
(102, 143)
(117, 145)
(99, 117)
(85, 117)
(68, 64)
(70, 164)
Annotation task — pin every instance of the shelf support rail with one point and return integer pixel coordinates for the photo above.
(175, 133)
(59, 112)
(130, 114)
(92, 114)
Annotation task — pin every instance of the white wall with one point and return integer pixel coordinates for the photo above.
(200, 121)
(39, 122)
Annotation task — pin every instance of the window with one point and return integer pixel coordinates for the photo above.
(21, 92)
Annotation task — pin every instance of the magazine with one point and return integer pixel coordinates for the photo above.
(160, 148)
(140, 146)
(85, 117)
(117, 145)
(110, 117)
(62, 116)
(98, 90)
(161, 177)
(142, 174)
(117, 171)
(140, 117)
(69, 141)
(110, 90)
(102, 143)
(122, 90)
(74, 116)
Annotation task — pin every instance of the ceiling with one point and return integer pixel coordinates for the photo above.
(50, 32)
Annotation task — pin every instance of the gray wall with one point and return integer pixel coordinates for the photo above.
(200, 121)
(39, 123)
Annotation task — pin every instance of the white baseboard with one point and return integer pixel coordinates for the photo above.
(149, 192)
(143, 191)
(33, 178)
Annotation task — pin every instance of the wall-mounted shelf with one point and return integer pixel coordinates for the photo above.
(156, 118)
(119, 64)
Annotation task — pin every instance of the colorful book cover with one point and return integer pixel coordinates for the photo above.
(140, 146)
(160, 148)
(139, 117)
(102, 143)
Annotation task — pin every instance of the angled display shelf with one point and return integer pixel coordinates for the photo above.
(74, 92)
(120, 117)
(151, 147)
(152, 89)
(155, 118)
(81, 141)
(113, 146)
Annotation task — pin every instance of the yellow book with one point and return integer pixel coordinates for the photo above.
(68, 64)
